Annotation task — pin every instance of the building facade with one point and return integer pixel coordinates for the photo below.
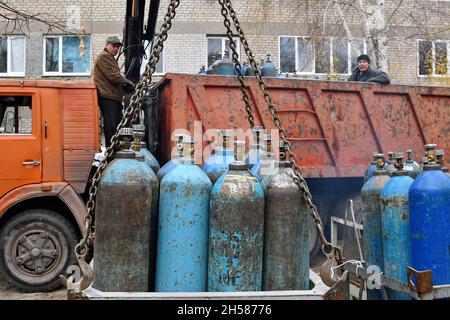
(305, 39)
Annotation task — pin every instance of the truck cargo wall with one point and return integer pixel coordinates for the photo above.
(334, 127)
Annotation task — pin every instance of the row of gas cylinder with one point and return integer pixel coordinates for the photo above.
(226, 67)
(182, 228)
(406, 218)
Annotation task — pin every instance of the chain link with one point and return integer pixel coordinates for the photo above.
(237, 66)
(130, 117)
(227, 9)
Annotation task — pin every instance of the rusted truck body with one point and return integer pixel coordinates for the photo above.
(334, 126)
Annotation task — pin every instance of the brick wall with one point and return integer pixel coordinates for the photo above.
(263, 22)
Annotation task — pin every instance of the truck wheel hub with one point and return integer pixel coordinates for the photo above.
(36, 252)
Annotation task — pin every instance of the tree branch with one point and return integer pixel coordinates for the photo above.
(19, 21)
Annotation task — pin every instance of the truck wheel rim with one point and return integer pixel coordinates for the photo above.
(36, 252)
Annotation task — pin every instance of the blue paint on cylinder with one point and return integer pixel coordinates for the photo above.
(150, 160)
(249, 71)
(412, 167)
(242, 68)
(268, 69)
(266, 165)
(236, 233)
(369, 171)
(216, 165)
(372, 235)
(396, 230)
(254, 156)
(224, 67)
(429, 201)
(182, 251)
(169, 166)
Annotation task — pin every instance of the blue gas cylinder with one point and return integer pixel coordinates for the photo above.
(370, 169)
(236, 228)
(429, 202)
(182, 251)
(266, 159)
(123, 254)
(172, 163)
(372, 235)
(139, 133)
(224, 66)
(396, 227)
(249, 71)
(411, 166)
(268, 69)
(390, 163)
(169, 166)
(255, 150)
(217, 164)
(242, 68)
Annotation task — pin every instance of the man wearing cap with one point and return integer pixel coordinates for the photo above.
(366, 74)
(111, 86)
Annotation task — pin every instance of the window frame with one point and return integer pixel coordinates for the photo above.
(433, 59)
(147, 47)
(224, 39)
(329, 41)
(33, 115)
(8, 72)
(60, 73)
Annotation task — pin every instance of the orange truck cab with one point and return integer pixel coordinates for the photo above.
(49, 135)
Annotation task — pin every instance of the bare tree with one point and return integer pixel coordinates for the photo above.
(377, 21)
(18, 22)
(377, 24)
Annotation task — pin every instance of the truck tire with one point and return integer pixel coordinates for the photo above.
(36, 246)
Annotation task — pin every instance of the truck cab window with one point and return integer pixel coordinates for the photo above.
(15, 115)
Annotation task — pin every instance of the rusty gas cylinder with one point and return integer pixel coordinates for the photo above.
(123, 217)
(286, 230)
(236, 229)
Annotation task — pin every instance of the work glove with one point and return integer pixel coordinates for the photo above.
(128, 88)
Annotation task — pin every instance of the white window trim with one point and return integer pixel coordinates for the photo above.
(224, 39)
(60, 73)
(8, 72)
(433, 57)
(145, 61)
(330, 43)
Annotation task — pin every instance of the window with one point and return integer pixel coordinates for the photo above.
(326, 55)
(15, 115)
(64, 55)
(433, 58)
(217, 47)
(159, 68)
(12, 56)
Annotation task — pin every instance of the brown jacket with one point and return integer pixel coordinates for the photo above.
(107, 76)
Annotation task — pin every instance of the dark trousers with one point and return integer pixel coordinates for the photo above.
(112, 114)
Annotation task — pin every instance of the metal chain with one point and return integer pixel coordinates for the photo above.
(298, 178)
(132, 112)
(237, 66)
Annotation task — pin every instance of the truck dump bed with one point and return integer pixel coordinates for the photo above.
(334, 127)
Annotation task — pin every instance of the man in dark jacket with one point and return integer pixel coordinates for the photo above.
(366, 74)
(111, 86)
